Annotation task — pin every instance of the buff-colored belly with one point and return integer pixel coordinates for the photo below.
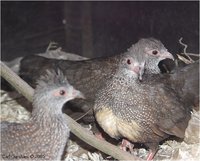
(117, 127)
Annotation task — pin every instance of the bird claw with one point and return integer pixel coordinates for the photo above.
(127, 145)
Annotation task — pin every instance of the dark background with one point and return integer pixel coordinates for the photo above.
(94, 29)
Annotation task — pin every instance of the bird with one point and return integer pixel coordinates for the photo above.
(89, 76)
(45, 135)
(147, 112)
(183, 80)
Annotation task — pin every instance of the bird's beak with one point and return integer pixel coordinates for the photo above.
(141, 72)
(166, 55)
(78, 94)
(140, 76)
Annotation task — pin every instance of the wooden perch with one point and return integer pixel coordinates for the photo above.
(21, 86)
(76, 129)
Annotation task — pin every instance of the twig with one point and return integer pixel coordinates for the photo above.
(75, 128)
(192, 54)
(186, 61)
(184, 50)
(51, 45)
(185, 45)
(83, 115)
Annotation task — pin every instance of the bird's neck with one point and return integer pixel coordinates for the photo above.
(46, 117)
(125, 75)
(151, 66)
(115, 90)
(122, 79)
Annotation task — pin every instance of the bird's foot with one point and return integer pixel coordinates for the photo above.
(126, 145)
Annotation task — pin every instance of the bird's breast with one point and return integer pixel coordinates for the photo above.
(117, 127)
(107, 121)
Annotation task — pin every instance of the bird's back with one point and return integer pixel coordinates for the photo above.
(86, 75)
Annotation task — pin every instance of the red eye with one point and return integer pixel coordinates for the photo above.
(128, 61)
(62, 92)
(154, 52)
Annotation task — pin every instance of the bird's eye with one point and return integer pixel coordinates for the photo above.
(128, 61)
(155, 52)
(62, 92)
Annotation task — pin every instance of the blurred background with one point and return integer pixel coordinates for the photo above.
(94, 29)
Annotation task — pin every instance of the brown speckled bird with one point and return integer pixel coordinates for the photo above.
(45, 135)
(140, 112)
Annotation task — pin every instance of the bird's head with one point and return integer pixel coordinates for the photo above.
(53, 90)
(133, 66)
(153, 50)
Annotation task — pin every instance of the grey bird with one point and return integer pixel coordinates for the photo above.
(45, 135)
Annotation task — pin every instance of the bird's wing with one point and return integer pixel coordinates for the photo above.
(185, 81)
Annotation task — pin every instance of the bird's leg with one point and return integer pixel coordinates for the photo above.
(152, 153)
(150, 156)
(126, 144)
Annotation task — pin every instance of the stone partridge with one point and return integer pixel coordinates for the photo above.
(142, 112)
(45, 135)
